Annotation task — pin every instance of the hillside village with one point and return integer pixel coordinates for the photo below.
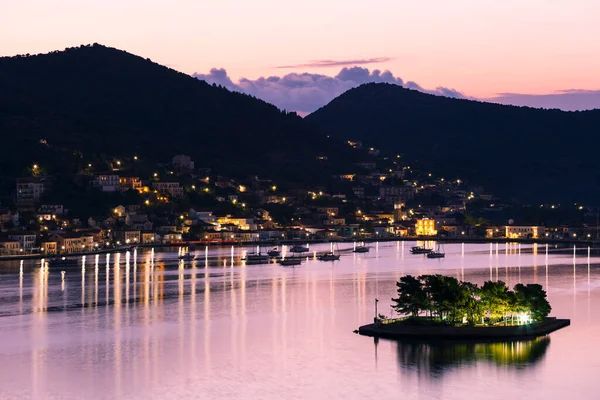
(382, 198)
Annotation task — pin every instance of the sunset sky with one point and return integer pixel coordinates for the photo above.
(480, 48)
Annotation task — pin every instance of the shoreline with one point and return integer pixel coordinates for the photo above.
(398, 331)
(37, 256)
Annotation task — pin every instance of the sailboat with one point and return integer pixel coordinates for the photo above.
(361, 249)
(329, 256)
(256, 258)
(437, 253)
(274, 252)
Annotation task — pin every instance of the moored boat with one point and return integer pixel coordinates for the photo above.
(437, 253)
(253, 259)
(62, 262)
(187, 257)
(361, 249)
(420, 250)
(328, 257)
(299, 249)
(290, 261)
(274, 252)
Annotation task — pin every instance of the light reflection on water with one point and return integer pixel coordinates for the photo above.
(437, 358)
(144, 324)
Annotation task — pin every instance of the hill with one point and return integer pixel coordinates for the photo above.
(94, 102)
(519, 152)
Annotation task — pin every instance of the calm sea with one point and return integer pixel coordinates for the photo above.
(144, 325)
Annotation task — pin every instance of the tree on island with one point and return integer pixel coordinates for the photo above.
(446, 299)
(412, 298)
(532, 297)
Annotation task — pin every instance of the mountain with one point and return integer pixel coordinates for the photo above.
(517, 152)
(92, 101)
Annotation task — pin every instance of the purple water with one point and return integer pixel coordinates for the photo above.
(151, 327)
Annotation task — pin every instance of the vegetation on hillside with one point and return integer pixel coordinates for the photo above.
(516, 152)
(64, 110)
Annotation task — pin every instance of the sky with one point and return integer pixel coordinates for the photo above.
(541, 52)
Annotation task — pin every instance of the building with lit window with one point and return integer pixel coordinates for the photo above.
(524, 232)
(72, 242)
(172, 188)
(425, 227)
(399, 212)
(130, 182)
(30, 190)
(107, 183)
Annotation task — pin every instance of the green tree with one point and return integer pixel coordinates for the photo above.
(471, 302)
(411, 296)
(452, 298)
(495, 299)
(531, 298)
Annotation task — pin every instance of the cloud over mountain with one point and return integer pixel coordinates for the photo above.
(569, 100)
(306, 92)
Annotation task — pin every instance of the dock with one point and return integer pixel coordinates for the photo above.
(401, 331)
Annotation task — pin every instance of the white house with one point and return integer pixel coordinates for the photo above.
(107, 183)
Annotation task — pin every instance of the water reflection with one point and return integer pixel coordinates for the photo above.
(438, 358)
(160, 326)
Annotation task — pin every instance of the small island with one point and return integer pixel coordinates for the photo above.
(442, 307)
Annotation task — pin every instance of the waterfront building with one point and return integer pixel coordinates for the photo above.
(148, 237)
(9, 247)
(425, 227)
(127, 236)
(524, 232)
(27, 240)
(49, 247)
(172, 237)
(71, 242)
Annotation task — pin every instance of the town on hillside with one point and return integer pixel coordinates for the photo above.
(129, 201)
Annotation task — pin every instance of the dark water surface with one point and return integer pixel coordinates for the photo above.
(151, 327)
